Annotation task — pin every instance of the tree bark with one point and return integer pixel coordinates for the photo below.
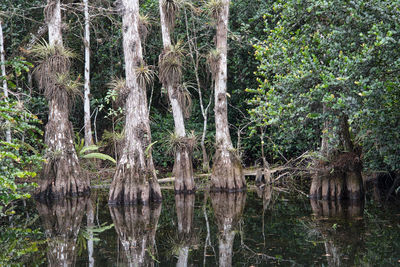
(227, 173)
(183, 167)
(61, 175)
(61, 221)
(338, 176)
(136, 228)
(88, 128)
(4, 75)
(228, 209)
(135, 179)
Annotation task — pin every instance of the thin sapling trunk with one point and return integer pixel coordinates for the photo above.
(88, 128)
(3, 74)
(194, 55)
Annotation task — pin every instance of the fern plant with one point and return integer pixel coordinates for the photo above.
(82, 150)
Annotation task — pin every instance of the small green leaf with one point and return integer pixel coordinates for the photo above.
(98, 155)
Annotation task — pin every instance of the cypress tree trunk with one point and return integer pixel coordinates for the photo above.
(135, 179)
(183, 167)
(3, 74)
(228, 209)
(227, 173)
(88, 128)
(61, 175)
(340, 177)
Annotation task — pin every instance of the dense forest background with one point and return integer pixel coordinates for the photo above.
(293, 66)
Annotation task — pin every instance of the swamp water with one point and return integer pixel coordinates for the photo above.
(206, 229)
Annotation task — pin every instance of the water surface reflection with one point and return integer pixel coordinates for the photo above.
(228, 209)
(184, 204)
(218, 229)
(136, 228)
(340, 226)
(61, 220)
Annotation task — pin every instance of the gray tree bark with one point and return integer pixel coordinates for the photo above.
(61, 175)
(88, 128)
(227, 173)
(183, 167)
(4, 74)
(135, 179)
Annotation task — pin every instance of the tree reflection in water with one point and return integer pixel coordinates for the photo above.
(331, 222)
(186, 238)
(90, 226)
(61, 220)
(228, 209)
(136, 228)
(265, 193)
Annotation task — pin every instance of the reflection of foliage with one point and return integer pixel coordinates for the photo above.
(90, 233)
(175, 241)
(286, 237)
(20, 242)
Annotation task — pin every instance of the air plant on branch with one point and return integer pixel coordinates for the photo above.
(52, 72)
(212, 59)
(120, 90)
(171, 63)
(144, 75)
(213, 8)
(144, 28)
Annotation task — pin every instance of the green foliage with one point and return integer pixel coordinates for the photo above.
(83, 150)
(334, 54)
(21, 158)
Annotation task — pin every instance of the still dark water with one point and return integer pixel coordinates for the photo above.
(253, 229)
